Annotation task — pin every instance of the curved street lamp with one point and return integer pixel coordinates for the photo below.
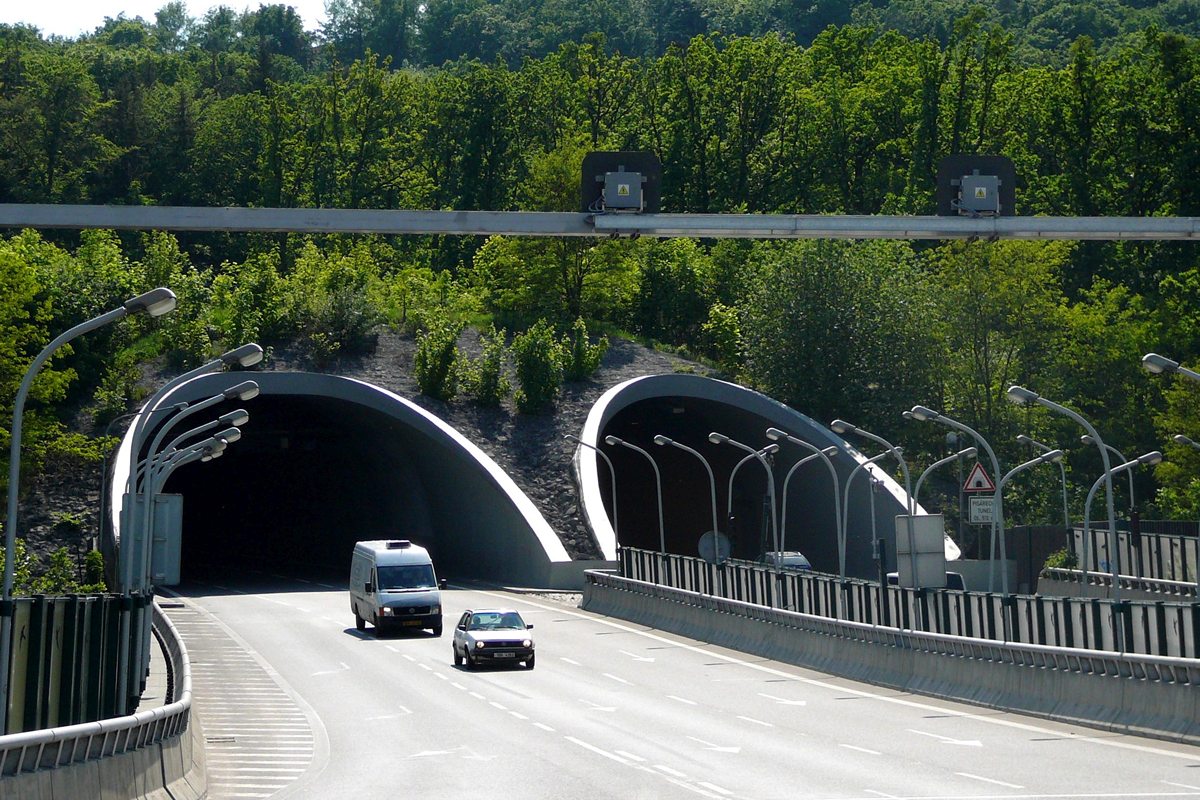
(1022, 396)
(1087, 439)
(775, 434)
(613, 475)
(969, 452)
(1160, 365)
(155, 302)
(1151, 458)
(841, 426)
(929, 415)
(614, 441)
(859, 467)
(1045, 448)
(761, 455)
(663, 441)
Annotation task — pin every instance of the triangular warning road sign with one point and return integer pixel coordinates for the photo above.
(978, 480)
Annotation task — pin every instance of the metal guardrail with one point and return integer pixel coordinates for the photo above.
(1166, 629)
(1176, 671)
(35, 750)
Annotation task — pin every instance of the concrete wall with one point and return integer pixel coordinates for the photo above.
(1128, 702)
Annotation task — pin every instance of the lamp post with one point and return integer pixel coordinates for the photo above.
(859, 467)
(246, 356)
(1121, 459)
(614, 441)
(1045, 448)
(663, 441)
(612, 474)
(775, 434)
(155, 302)
(1153, 457)
(1023, 396)
(929, 415)
(841, 426)
(1179, 438)
(1159, 365)
(967, 453)
(761, 455)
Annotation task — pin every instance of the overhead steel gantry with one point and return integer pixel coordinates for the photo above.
(537, 223)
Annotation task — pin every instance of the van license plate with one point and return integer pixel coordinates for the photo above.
(505, 655)
(411, 622)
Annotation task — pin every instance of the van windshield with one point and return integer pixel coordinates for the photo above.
(406, 576)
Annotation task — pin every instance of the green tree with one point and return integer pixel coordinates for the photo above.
(435, 365)
(539, 366)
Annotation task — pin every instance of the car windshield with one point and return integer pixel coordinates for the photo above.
(407, 576)
(496, 621)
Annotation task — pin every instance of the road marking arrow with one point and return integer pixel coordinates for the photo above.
(949, 739)
(636, 657)
(718, 748)
(784, 700)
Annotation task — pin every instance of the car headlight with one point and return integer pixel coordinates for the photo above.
(436, 610)
(479, 645)
(387, 611)
(527, 643)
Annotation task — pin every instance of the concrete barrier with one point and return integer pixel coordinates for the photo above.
(1147, 696)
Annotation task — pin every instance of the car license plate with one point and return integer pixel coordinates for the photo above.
(505, 655)
(411, 622)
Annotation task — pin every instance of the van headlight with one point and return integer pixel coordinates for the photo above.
(527, 643)
(479, 645)
(387, 611)
(435, 610)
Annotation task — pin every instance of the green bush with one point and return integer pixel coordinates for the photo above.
(1061, 559)
(435, 362)
(582, 358)
(483, 378)
(538, 357)
(62, 576)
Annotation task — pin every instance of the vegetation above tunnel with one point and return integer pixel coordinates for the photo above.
(826, 120)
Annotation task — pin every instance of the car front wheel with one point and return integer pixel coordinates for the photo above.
(529, 662)
(458, 659)
(470, 661)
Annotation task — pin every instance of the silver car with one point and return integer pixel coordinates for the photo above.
(492, 636)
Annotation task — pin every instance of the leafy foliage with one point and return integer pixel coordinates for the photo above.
(436, 360)
(580, 357)
(484, 378)
(539, 366)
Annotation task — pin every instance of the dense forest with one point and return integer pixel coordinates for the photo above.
(816, 107)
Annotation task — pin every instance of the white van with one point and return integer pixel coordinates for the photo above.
(392, 584)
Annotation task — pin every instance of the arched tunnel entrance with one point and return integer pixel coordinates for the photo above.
(326, 461)
(687, 409)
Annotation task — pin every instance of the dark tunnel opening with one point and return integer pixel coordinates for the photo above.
(309, 477)
(811, 520)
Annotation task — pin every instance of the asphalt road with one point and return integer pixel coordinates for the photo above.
(295, 702)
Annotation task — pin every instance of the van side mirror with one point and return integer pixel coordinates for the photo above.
(441, 583)
(529, 626)
(368, 588)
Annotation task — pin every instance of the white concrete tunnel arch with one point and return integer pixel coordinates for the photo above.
(741, 407)
(486, 527)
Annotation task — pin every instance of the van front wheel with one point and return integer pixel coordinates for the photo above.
(437, 630)
(359, 622)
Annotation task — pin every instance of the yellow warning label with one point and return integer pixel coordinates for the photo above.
(623, 189)
(981, 193)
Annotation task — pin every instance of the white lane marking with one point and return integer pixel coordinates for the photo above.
(477, 695)
(518, 715)
(784, 700)
(410, 658)
(391, 647)
(990, 780)
(901, 701)
(754, 721)
(636, 657)
(616, 678)
(429, 668)
(344, 668)
(570, 661)
(674, 773)
(597, 706)
(948, 739)
(458, 685)
(716, 747)
(405, 712)
(544, 727)
(1182, 785)
(628, 755)
(596, 750)
(684, 700)
(861, 749)
(440, 676)
(881, 794)
(494, 704)
(713, 787)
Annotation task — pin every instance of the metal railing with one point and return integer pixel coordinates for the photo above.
(73, 744)
(1133, 627)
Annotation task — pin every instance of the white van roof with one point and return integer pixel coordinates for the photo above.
(393, 551)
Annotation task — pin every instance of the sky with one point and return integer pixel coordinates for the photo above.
(73, 17)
